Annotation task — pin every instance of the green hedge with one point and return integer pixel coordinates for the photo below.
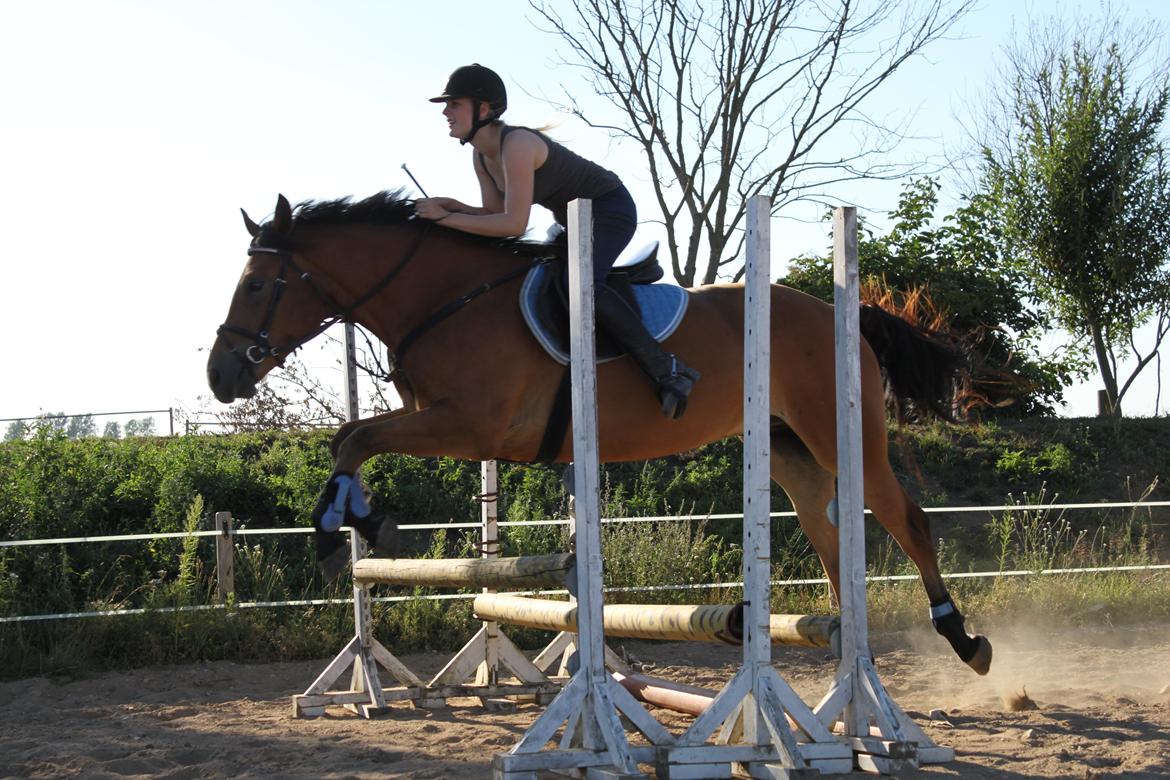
(51, 486)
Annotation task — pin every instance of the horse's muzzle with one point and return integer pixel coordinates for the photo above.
(230, 382)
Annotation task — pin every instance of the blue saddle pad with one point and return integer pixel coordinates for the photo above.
(662, 306)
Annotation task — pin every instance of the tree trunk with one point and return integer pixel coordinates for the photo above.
(1110, 407)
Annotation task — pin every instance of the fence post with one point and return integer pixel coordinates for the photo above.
(225, 569)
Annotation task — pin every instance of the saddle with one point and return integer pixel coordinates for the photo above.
(544, 301)
(545, 305)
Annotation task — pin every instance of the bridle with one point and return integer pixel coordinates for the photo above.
(268, 242)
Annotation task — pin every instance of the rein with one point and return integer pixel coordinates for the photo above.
(446, 311)
(261, 348)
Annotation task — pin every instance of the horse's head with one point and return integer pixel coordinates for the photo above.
(276, 308)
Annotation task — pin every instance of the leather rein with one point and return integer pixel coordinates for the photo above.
(267, 242)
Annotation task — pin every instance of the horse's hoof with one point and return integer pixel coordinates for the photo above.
(380, 532)
(332, 555)
(386, 538)
(981, 661)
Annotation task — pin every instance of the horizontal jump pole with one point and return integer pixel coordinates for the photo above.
(533, 571)
(703, 623)
(687, 699)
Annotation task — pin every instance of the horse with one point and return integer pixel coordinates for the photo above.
(476, 385)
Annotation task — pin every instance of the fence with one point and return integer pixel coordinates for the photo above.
(225, 536)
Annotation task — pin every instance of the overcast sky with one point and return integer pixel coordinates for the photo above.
(132, 132)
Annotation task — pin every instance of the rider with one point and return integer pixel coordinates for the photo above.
(518, 166)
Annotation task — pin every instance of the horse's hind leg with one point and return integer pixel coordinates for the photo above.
(909, 526)
(811, 487)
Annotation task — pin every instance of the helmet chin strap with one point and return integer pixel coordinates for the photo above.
(476, 123)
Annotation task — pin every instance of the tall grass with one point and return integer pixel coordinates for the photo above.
(1039, 540)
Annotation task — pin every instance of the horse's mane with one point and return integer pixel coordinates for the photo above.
(392, 207)
(385, 208)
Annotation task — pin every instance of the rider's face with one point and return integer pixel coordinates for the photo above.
(458, 114)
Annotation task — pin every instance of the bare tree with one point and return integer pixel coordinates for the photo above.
(734, 98)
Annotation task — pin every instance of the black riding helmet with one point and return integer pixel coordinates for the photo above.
(480, 84)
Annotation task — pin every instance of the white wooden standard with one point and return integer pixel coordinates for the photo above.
(488, 671)
(482, 656)
(592, 740)
(857, 695)
(756, 708)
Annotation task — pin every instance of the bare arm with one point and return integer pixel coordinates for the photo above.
(505, 215)
(454, 206)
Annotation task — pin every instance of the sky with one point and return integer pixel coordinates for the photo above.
(131, 133)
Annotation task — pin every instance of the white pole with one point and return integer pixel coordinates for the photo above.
(850, 498)
(857, 693)
(586, 464)
(757, 483)
(587, 708)
(490, 535)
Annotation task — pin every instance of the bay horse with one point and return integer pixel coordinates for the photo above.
(476, 385)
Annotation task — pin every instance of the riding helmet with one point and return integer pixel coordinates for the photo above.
(478, 83)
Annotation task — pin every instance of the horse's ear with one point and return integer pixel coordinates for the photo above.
(282, 219)
(253, 228)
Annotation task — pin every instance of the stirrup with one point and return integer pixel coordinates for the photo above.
(675, 388)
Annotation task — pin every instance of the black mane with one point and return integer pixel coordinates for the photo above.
(388, 207)
(392, 207)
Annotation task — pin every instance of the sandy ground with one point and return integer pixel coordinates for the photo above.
(1103, 711)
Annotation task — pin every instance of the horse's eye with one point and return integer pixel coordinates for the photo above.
(254, 285)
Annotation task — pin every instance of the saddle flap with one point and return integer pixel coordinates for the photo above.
(545, 309)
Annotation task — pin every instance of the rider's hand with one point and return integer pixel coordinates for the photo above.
(431, 208)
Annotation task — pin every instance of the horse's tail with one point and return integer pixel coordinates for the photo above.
(921, 369)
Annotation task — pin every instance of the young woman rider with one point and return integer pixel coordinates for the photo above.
(517, 167)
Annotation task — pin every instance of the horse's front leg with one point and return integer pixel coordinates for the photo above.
(432, 431)
(348, 428)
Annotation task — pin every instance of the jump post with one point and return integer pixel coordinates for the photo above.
(586, 711)
(883, 737)
(474, 670)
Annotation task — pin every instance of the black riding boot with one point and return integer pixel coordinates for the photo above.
(673, 379)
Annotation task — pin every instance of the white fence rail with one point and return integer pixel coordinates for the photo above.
(505, 524)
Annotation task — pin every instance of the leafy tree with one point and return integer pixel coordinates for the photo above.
(112, 430)
(17, 429)
(732, 99)
(1077, 165)
(142, 426)
(57, 422)
(954, 273)
(81, 426)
